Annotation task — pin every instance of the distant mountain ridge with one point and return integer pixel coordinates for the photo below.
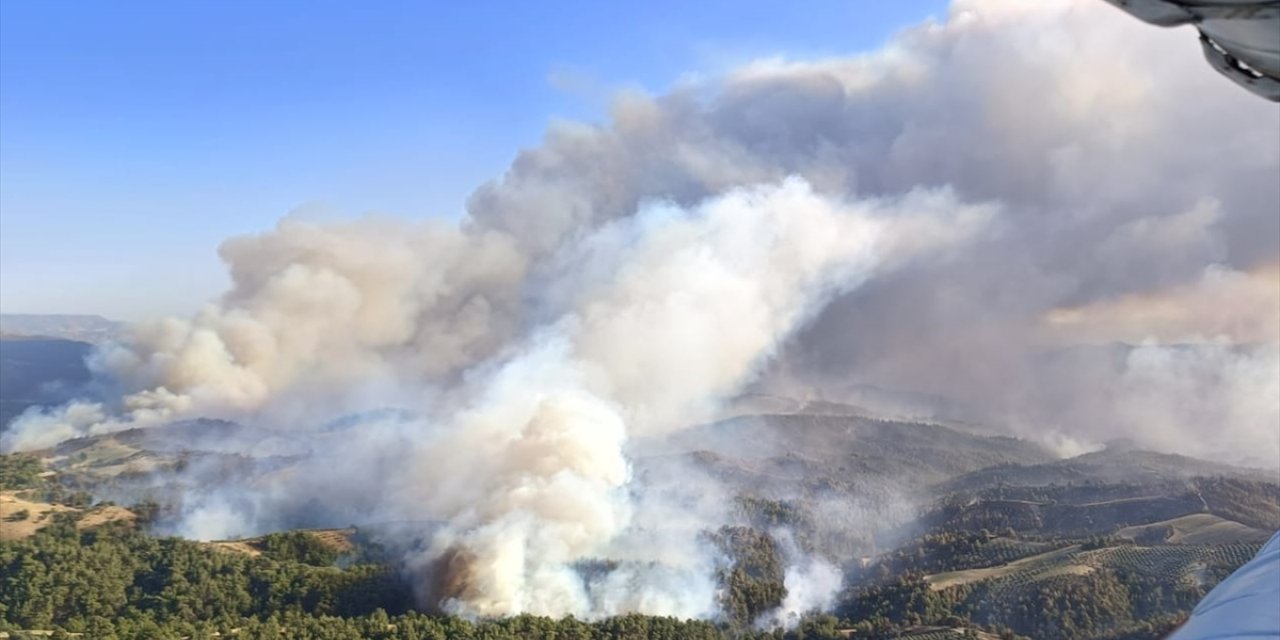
(82, 328)
(1119, 462)
(830, 447)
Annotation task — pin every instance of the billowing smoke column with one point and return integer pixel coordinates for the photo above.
(968, 212)
(670, 312)
(640, 327)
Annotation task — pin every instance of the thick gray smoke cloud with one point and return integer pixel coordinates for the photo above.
(955, 214)
(643, 326)
(1140, 206)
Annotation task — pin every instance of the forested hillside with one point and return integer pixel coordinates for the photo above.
(1123, 559)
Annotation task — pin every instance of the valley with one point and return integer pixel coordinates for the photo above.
(935, 532)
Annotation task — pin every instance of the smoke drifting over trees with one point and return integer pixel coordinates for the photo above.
(973, 212)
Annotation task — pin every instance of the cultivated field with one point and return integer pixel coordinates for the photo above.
(1199, 528)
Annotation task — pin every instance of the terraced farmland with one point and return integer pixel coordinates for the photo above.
(1015, 573)
(958, 551)
(1170, 563)
(1005, 550)
(946, 634)
(1135, 582)
(1173, 564)
(1198, 528)
(935, 633)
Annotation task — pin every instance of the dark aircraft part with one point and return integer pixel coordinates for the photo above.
(1241, 39)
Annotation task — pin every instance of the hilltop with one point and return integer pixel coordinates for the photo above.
(932, 524)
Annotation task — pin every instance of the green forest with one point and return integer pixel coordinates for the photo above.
(113, 581)
(73, 577)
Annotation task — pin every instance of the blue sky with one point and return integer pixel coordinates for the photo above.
(136, 136)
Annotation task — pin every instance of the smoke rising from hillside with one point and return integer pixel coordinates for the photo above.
(923, 217)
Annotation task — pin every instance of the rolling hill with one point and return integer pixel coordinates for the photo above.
(934, 526)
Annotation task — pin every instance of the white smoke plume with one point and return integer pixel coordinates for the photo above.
(532, 477)
(646, 325)
(947, 215)
(811, 587)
